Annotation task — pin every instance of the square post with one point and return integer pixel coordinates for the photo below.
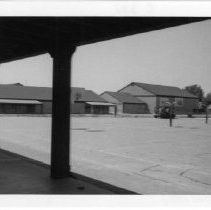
(207, 115)
(170, 117)
(115, 110)
(91, 109)
(60, 134)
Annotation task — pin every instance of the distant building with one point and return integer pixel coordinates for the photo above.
(88, 102)
(19, 99)
(125, 103)
(156, 95)
(209, 109)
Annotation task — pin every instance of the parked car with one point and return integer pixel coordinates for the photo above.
(201, 109)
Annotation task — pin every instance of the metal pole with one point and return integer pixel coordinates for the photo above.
(207, 115)
(115, 110)
(170, 118)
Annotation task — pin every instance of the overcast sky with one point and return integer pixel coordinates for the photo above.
(177, 56)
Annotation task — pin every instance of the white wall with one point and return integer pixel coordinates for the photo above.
(144, 95)
(111, 99)
(150, 101)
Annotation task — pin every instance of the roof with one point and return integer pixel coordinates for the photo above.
(125, 97)
(17, 91)
(86, 95)
(160, 90)
(14, 91)
(11, 101)
(22, 37)
(163, 90)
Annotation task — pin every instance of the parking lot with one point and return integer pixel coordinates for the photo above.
(144, 155)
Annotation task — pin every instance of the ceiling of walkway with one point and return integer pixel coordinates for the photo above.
(22, 37)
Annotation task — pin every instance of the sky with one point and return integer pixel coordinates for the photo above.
(177, 56)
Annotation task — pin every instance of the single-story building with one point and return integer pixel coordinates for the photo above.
(125, 103)
(209, 109)
(19, 99)
(88, 102)
(156, 95)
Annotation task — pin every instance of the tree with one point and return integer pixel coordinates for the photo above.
(196, 90)
(208, 98)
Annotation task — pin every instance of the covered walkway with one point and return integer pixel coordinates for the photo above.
(20, 175)
(22, 37)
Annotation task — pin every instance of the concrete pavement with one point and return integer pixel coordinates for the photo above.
(20, 175)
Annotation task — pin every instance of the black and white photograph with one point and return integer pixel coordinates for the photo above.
(105, 105)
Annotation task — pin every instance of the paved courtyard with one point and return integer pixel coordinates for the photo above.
(143, 155)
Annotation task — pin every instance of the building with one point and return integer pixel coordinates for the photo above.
(125, 103)
(19, 99)
(156, 95)
(88, 102)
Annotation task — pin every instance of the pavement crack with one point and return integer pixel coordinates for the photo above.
(182, 174)
(150, 167)
(196, 180)
(150, 177)
(202, 154)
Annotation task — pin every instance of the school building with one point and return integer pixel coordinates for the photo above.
(157, 95)
(20, 99)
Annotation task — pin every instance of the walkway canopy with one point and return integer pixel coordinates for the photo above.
(23, 37)
(100, 104)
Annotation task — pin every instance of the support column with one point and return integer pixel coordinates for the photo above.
(92, 109)
(60, 134)
(207, 115)
(170, 114)
(115, 110)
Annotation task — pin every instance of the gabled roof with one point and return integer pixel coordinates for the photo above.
(12, 101)
(160, 90)
(86, 95)
(125, 97)
(18, 91)
(163, 90)
(187, 94)
(22, 37)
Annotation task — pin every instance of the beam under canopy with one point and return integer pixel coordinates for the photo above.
(24, 36)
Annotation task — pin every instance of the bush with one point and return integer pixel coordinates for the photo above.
(190, 115)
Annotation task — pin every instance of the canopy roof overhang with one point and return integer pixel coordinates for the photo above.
(100, 103)
(23, 37)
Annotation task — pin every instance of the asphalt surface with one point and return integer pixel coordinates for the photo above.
(143, 155)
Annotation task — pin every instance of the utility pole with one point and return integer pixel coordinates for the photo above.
(171, 113)
(170, 117)
(115, 110)
(207, 115)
